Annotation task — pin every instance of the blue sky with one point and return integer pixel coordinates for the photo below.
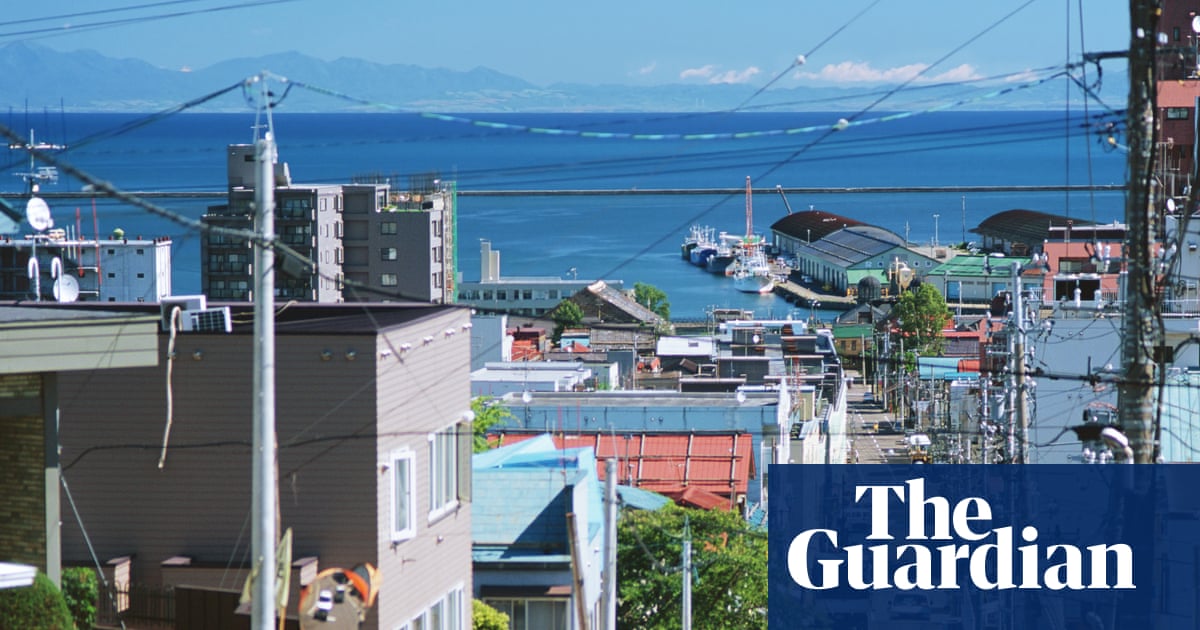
(637, 43)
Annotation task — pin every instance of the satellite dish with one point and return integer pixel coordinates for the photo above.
(38, 214)
(1196, 24)
(66, 289)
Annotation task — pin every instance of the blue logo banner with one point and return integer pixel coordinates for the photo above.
(1089, 547)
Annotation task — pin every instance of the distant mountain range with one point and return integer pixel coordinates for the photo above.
(36, 77)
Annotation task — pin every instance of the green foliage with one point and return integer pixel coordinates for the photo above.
(729, 560)
(922, 313)
(81, 589)
(488, 413)
(652, 298)
(484, 617)
(37, 607)
(566, 315)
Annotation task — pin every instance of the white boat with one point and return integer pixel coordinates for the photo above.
(752, 273)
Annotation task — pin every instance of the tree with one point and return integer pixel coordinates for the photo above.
(39, 606)
(922, 314)
(488, 413)
(652, 298)
(81, 590)
(729, 560)
(566, 315)
(484, 617)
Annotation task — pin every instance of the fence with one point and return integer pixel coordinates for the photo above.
(145, 607)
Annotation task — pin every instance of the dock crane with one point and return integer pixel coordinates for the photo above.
(779, 189)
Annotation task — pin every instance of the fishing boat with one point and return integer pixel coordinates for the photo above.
(705, 246)
(690, 241)
(728, 246)
(752, 272)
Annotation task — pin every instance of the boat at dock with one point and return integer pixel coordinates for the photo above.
(728, 247)
(752, 272)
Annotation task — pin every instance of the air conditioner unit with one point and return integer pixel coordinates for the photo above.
(209, 320)
(184, 302)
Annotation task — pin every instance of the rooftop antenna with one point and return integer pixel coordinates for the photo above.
(37, 174)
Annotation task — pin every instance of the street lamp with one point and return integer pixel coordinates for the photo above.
(935, 229)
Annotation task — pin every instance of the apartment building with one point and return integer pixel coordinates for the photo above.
(366, 241)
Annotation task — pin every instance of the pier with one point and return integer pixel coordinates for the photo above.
(800, 294)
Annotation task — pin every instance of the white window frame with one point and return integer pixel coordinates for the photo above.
(454, 614)
(443, 499)
(406, 458)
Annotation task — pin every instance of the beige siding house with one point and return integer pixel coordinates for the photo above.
(373, 432)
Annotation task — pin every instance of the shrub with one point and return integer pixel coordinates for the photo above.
(37, 607)
(81, 589)
(484, 617)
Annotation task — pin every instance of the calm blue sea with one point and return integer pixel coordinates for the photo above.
(634, 238)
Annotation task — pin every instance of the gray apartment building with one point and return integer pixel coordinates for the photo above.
(374, 455)
(368, 242)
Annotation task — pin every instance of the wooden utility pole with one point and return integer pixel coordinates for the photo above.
(1135, 397)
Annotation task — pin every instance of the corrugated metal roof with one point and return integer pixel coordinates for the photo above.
(852, 245)
(812, 224)
(1025, 226)
(667, 463)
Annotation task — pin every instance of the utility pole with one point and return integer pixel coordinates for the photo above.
(1018, 358)
(687, 575)
(1135, 393)
(609, 611)
(262, 512)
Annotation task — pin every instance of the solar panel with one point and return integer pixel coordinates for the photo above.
(210, 320)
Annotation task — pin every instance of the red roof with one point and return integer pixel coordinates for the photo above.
(720, 464)
(1177, 93)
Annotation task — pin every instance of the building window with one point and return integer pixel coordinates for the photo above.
(140, 251)
(141, 275)
(531, 614)
(446, 484)
(1178, 113)
(502, 295)
(553, 294)
(403, 496)
(388, 253)
(388, 279)
(445, 614)
(437, 254)
(112, 275)
(387, 227)
(437, 280)
(527, 294)
(437, 228)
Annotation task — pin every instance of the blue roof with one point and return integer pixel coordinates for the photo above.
(640, 499)
(938, 368)
(521, 495)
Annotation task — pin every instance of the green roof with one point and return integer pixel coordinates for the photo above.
(851, 331)
(967, 265)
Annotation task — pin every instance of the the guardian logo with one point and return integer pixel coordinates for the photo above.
(974, 553)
